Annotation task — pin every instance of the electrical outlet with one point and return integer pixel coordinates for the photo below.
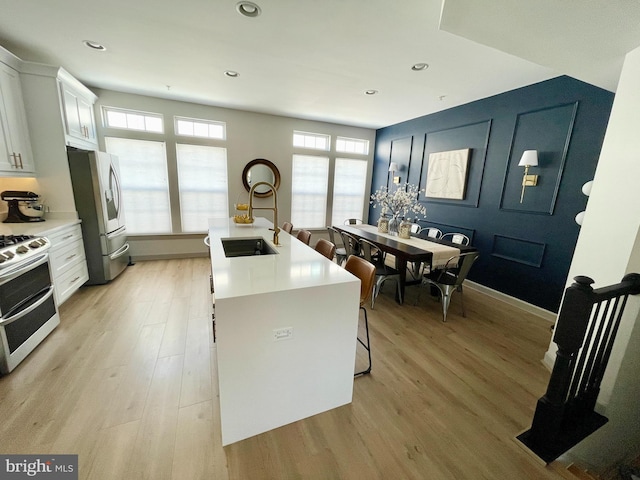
(282, 333)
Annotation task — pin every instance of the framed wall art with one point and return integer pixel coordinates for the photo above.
(447, 174)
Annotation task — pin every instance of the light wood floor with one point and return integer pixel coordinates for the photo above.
(126, 382)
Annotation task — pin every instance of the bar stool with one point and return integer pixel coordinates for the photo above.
(304, 236)
(366, 272)
(326, 248)
(287, 227)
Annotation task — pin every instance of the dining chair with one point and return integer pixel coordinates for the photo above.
(449, 279)
(431, 232)
(351, 244)
(353, 221)
(459, 238)
(304, 236)
(417, 269)
(366, 272)
(341, 253)
(287, 227)
(383, 271)
(326, 248)
(415, 228)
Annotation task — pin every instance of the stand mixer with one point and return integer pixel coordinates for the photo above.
(23, 206)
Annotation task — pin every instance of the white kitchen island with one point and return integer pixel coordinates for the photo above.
(286, 328)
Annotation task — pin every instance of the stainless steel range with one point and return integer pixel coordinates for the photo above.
(28, 312)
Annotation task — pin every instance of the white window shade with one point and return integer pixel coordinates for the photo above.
(202, 180)
(310, 181)
(348, 189)
(145, 189)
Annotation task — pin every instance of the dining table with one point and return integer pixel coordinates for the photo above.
(433, 252)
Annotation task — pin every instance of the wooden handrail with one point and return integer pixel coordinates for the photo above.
(585, 333)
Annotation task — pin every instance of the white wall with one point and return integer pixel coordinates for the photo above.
(249, 136)
(608, 247)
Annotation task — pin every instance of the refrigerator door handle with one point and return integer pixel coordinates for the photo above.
(121, 251)
(116, 233)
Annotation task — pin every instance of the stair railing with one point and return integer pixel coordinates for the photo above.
(585, 333)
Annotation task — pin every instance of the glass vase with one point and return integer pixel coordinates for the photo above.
(394, 223)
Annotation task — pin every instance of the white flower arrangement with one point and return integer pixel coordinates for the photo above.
(400, 202)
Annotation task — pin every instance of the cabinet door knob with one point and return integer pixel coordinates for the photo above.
(20, 158)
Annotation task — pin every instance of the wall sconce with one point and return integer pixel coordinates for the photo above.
(529, 159)
(393, 168)
(586, 189)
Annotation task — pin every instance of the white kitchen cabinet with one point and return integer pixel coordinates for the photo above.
(77, 112)
(16, 157)
(68, 261)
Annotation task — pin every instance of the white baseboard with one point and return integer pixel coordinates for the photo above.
(167, 256)
(516, 302)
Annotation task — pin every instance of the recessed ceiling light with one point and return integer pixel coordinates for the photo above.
(370, 92)
(419, 66)
(248, 9)
(94, 45)
(231, 73)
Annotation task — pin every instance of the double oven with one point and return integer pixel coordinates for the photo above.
(28, 311)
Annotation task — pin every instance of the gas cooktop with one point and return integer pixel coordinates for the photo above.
(15, 249)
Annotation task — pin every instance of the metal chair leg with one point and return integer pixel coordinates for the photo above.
(367, 346)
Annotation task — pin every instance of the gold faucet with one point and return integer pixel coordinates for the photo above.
(276, 229)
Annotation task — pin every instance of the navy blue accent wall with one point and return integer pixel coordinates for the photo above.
(525, 248)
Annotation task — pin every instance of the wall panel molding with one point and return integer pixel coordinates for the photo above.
(518, 250)
(400, 153)
(474, 136)
(548, 131)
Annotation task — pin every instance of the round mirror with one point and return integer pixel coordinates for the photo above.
(261, 170)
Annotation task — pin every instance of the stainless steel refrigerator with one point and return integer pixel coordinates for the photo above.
(96, 189)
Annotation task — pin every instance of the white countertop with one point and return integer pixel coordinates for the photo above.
(40, 229)
(295, 266)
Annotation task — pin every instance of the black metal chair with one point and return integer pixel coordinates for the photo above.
(459, 238)
(449, 279)
(430, 232)
(351, 244)
(417, 269)
(383, 271)
(341, 252)
(353, 221)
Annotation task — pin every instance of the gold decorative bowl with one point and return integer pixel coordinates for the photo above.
(242, 219)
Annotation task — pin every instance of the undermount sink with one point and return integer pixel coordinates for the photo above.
(246, 247)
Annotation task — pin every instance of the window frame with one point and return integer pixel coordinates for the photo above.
(209, 123)
(158, 116)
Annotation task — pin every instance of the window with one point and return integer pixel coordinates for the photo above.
(352, 145)
(348, 189)
(310, 180)
(315, 141)
(192, 127)
(145, 187)
(202, 179)
(132, 120)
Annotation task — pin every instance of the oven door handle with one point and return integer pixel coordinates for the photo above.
(30, 308)
(18, 269)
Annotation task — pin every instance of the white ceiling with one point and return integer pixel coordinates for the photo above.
(314, 59)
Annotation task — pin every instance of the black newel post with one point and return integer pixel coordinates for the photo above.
(569, 335)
